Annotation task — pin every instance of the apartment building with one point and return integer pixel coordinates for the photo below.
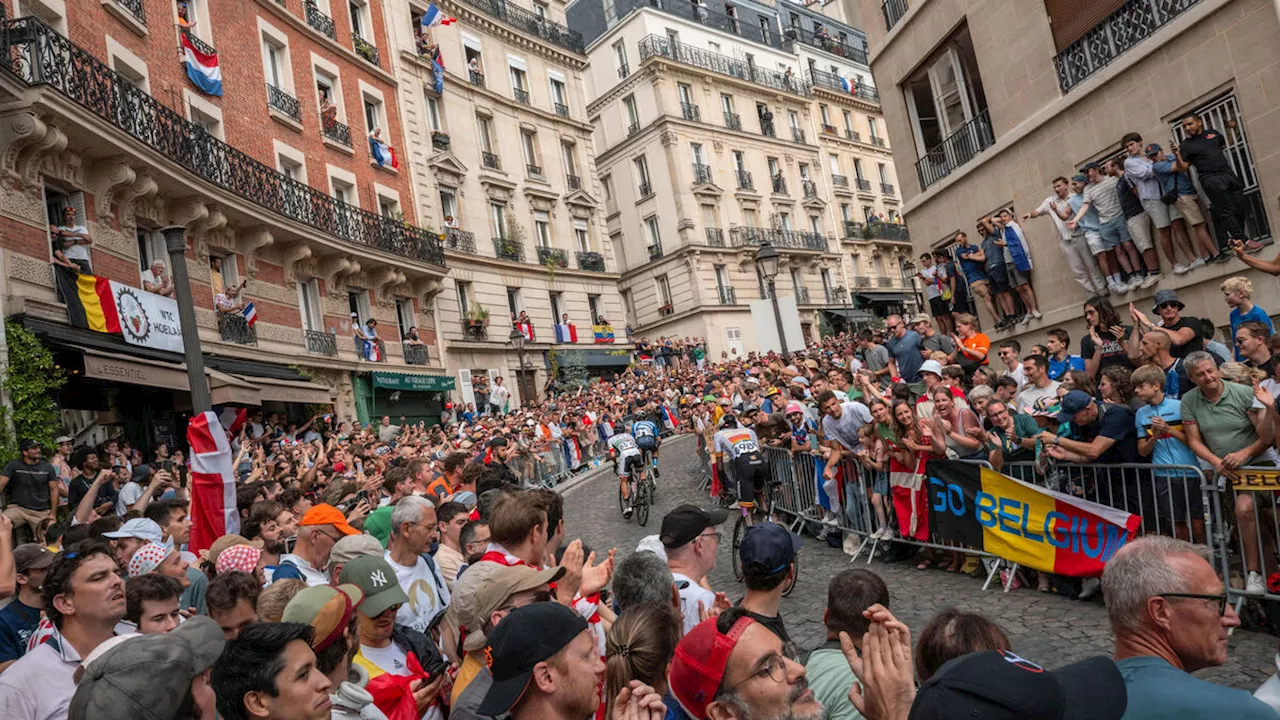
(269, 166)
(501, 159)
(727, 126)
(992, 100)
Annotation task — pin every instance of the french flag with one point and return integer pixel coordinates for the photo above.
(566, 333)
(670, 417)
(213, 486)
(250, 314)
(433, 17)
(201, 68)
(383, 153)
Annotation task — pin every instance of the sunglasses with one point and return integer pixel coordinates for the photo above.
(1163, 306)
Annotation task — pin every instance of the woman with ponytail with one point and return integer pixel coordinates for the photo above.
(640, 646)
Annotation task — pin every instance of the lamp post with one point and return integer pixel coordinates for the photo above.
(767, 265)
(909, 278)
(516, 340)
(175, 242)
(844, 305)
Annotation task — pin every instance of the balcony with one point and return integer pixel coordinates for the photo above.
(318, 21)
(360, 351)
(490, 160)
(590, 261)
(862, 282)
(834, 297)
(733, 121)
(727, 295)
(690, 112)
(744, 180)
(335, 131)
(766, 128)
(863, 185)
(810, 188)
(802, 295)
(83, 79)
(507, 249)
(283, 103)
(573, 182)
(235, 329)
(840, 181)
(835, 83)
(797, 134)
(633, 128)
(877, 141)
(365, 49)
(321, 343)
(789, 239)
(439, 140)
(665, 310)
(829, 129)
(884, 281)
(701, 174)
(702, 15)
(476, 77)
(851, 134)
(823, 40)
(1133, 22)
(521, 19)
(658, 46)
(779, 185)
(460, 241)
(561, 109)
(959, 148)
(552, 257)
(474, 330)
(521, 96)
(655, 251)
(533, 170)
(624, 71)
(646, 189)
(893, 11)
(715, 237)
(886, 188)
(415, 354)
(134, 8)
(199, 44)
(876, 231)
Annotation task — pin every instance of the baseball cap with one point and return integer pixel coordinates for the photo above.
(699, 663)
(375, 578)
(686, 522)
(378, 524)
(147, 675)
(324, 514)
(767, 393)
(326, 609)
(222, 544)
(63, 439)
(524, 638)
(1045, 407)
(921, 318)
(931, 366)
(148, 558)
(1151, 149)
(770, 546)
(1091, 166)
(353, 546)
(1072, 403)
(794, 407)
(496, 589)
(32, 556)
(26, 444)
(1002, 686)
(140, 528)
(1079, 178)
(800, 380)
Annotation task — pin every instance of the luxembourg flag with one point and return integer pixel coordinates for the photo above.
(526, 329)
(670, 418)
(250, 314)
(383, 153)
(233, 418)
(201, 68)
(213, 485)
(566, 333)
(433, 17)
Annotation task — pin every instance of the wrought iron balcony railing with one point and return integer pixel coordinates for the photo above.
(233, 327)
(37, 55)
(476, 77)
(851, 134)
(959, 148)
(521, 96)
(553, 256)
(318, 21)
(862, 281)
(334, 130)
(646, 189)
(590, 261)
(789, 239)
(802, 295)
(416, 354)
(359, 346)
(633, 128)
(690, 112)
(573, 182)
(460, 240)
(876, 231)
(810, 188)
(533, 170)
(829, 129)
(507, 249)
(779, 185)
(439, 140)
(877, 141)
(893, 11)
(655, 251)
(727, 295)
(833, 296)
(561, 109)
(624, 71)
(135, 9)
(321, 343)
(1130, 24)
(659, 46)
(474, 330)
(766, 128)
(886, 188)
(365, 49)
(715, 237)
(884, 281)
(824, 41)
(702, 15)
(863, 185)
(521, 19)
(733, 121)
(797, 134)
(840, 181)
(701, 173)
(283, 102)
(490, 161)
(831, 81)
(744, 180)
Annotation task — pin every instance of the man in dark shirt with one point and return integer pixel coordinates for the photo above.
(19, 618)
(1102, 433)
(1204, 149)
(768, 554)
(33, 487)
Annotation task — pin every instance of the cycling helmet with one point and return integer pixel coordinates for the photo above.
(728, 421)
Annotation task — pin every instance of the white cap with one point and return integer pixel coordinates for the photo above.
(931, 366)
(141, 528)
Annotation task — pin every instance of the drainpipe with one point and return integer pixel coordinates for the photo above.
(5, 400)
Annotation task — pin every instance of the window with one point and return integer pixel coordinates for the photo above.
(884, 173)
(357, 302)
(749, 217)
(581, 236)
(878, 261)
(848, 120)
(784, 218)
(448, 205)
(529, 146)
(464, 296)
(868, 212)
(542, 228)
(796, 282)
(846, 212)
(519, 81)
(498, 218)
(633, 115)
(291, 169)
(274, 63)
(793, 119)
(620, 57)
(372, 114)
(209, 119)
(871, 123)
(804, 171)
(726, 103)
(593, 304)
(329, 94)
(685, 92)
(739, 161)
(388, 208)
(540, 10)
(942, 98)
(857, 168)
(475, 64)
(405, 315)
(699, 155)
(835, 164)
(710, 216)
(557, 306)
(664, 294)
(642, 173)
(765, 27)
(628, 307)
(815, 224)
(722, 277)
(343, 191)
(673, 37)
(309, 307)
(825, 113)
(568, 159)
(358, 21)
(151, 247)
(558, 95)
(826, 281)
(484, 128)
(651, 226)
(514, 302)
(434, 116)
(774, 168)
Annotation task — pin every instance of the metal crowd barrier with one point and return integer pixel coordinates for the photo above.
(1246, 521)
(552, 466)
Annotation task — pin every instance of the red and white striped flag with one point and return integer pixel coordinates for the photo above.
(213, 482)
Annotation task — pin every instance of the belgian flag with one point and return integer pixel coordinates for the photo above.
(92, 306)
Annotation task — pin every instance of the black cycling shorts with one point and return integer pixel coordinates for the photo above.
(752, 474)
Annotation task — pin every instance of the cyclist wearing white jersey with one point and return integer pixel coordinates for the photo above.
(623, 448)
(741, 447)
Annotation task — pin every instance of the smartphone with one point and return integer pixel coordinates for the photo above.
(362, 496)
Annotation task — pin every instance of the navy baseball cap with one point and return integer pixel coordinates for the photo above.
(999, 685)
(1072, 403)
(1091, 166)
(770, 546)
(1151, 149)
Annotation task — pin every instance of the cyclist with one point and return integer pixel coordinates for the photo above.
(623, 448)
(741, 447)
(646, 434)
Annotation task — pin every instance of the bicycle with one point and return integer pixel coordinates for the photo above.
(641, 493)
(646, 456)
(763, 507)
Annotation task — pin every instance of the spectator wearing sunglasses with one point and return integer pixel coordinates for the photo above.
(1184, 332)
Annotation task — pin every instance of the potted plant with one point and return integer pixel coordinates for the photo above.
(477, 315)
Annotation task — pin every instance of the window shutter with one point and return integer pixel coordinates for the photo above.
(1069, 20)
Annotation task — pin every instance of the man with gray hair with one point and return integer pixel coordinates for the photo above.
(1171, 617)
(156, 280)
(643, 577)
(413, 531)
(1228, 429)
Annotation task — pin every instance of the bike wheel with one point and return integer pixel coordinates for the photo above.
(739, 529)
(642, 504)
(795, 579)
(622, 502)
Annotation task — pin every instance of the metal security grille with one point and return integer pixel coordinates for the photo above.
(1223, 114)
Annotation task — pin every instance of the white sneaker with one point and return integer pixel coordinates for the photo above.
(1088, 588)
(1180, 269)
(1026, 319)
(1198, 262)
(1036, 314)
(1150, 280)
(1131, 284)
(1254, 585)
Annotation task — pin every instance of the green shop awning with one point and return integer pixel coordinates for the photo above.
(613, 357)
(419, 383)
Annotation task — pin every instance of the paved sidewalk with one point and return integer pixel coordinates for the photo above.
(1048, 629)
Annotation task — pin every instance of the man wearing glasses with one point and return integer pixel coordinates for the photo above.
(1171, 617)
(690, 536)
(321, 527)
(904, 346)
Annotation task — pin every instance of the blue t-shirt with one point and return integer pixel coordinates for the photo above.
(1170, 180)
(1256, 314)
(906, 352)
(1090, 221)
(17, 622)
(1168, 450)
(1159, 691)
(1059, 368)
(973, 270)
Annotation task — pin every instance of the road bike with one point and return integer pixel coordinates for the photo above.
(763, 510)
(641, 489)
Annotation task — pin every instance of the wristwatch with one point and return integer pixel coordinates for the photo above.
(1057, 439)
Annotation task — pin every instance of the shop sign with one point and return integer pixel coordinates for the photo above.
(147, 319)
(417, 383)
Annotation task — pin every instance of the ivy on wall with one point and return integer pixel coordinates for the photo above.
(33, 382)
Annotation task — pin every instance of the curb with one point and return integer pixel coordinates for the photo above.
(606, 467)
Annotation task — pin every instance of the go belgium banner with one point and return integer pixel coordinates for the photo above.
(1034, 527)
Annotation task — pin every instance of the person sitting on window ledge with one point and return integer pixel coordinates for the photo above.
(78, 240)
(185, 21)
(328, 111)
(411, 337)
(156, 280)
(229, 301)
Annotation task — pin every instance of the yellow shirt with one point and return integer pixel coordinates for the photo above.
(470, 668)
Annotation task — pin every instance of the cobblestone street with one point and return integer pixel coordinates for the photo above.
(1048, 629)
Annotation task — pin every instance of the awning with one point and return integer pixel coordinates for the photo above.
(224, 389)
(227, 389)
(851, 313)
(613, 357)
(407, 381)
(290, 391)
(883, 297)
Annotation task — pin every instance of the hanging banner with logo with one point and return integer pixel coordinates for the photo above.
(147, 319)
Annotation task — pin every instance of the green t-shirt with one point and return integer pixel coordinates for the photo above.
(830, 678)
(1224, 426)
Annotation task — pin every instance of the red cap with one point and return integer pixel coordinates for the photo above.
(699, 664)
(328, 515)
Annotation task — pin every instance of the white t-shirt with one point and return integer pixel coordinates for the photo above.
(1049, 207)
(1018, 374)
(499, 395)
(76, 251)
(853, 415)
(932, 275)
(391, 658)
(690, 594)
(428, 594)
(1026, 400)
(129, 494)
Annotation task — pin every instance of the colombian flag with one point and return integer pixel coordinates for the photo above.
(1032, 526)
(603, 333)
(93, 307)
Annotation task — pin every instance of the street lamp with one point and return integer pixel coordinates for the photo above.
(909, 278)
(767, 266)
(844, 305)
(175, 243)
(516, 339)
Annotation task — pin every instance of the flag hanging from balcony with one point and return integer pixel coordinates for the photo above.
(526, 329)
(232, 418)
(434, 16)
(566, 333)
(250, 314)
(383, 153)
(603, 333)
(437, 72)
(213, 485)
(202, 68)
(92, 306)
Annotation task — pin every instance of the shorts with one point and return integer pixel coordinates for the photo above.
(1095, 243)
(939, 307)
(647, 442)
(1017, 278)
(980, 288)
(1113, 233)
(751, 476)
(1178, 500)
(1140, 230)
(626, 461)
(1189, 207)
(1162, 215)
(881, 484)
